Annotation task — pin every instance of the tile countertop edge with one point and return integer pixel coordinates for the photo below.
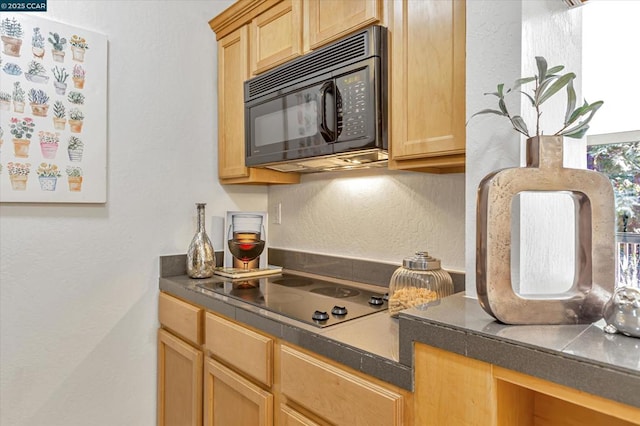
(555, 366)
(361, 360)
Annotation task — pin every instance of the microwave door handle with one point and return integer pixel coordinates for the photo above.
(328, 134)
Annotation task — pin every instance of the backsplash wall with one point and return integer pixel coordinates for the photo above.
(373, 214)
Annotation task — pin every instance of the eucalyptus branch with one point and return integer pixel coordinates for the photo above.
(548, 82)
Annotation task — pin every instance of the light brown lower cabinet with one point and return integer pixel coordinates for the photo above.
(454, 390)
(179, 382)
(215, 371)
(232, 400)
(337, 396)
(291, 417)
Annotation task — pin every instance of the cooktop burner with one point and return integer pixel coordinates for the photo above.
(313, 301)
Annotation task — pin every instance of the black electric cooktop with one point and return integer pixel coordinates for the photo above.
(310, 300)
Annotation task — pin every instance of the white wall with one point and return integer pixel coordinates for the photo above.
(551, 30)
(493, 56)
(376, 215)
(79, 283)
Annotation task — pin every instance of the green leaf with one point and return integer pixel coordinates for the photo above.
(542, 68)
(571, 102)
(577, 134)
(584, 109)
(533, 102)
(488, 111)
(519, 124)
(579, 130)
(555, 70)
(556, 86)
(519, 82)
(503, 106)
(500, 90)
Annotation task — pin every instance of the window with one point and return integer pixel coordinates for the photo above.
(618, 156)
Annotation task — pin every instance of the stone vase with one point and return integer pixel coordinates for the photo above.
(593, 198)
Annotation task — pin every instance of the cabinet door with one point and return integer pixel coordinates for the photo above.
(233, 70)
(332, 19)
(179, 382)
(232, 400)
(452, 389)
(276, 36)
(427, 84)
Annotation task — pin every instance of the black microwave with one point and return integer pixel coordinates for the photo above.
(325, 110)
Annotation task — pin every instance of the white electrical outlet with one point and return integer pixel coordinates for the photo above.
(276, 214)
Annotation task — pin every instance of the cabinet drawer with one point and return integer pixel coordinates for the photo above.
(181, 317)
(248, 351)
(290, 417)
(335, 394)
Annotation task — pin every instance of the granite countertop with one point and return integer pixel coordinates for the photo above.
(579, 356)
(583, 356)
(368, 344)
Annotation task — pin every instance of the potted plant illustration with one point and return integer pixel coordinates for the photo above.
(18, 174)
(75, 149)
(12, 34)
(60, 83)
(59, 115)
(74, 178)
(5, 101)
(78, 76)
(58, 43)
(21, 130)
(36, 73)
(76, 98)
(37, 43)
(39, 101)
(545, 172)
(48, 175)
(76, 118)
(49, 143)
(12, 69)
(18, 97)
(78, 47)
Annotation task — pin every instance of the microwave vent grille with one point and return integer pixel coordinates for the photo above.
(318, 62)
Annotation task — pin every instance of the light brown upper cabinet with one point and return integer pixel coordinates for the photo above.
(331, 19)
(426, 73)
(427, 67)
(233, 70)
(276, 36)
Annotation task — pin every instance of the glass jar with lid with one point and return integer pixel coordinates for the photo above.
(419, 280)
